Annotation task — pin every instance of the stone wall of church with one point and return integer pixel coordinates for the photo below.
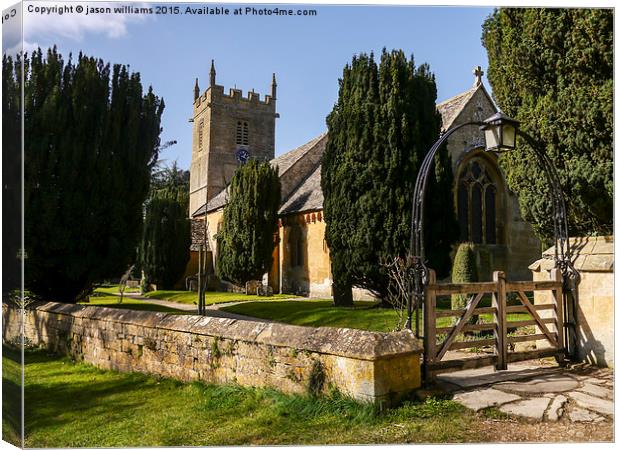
(469, 138)
(313, 277)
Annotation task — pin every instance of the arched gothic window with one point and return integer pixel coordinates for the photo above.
(477, 204)
(243, 131)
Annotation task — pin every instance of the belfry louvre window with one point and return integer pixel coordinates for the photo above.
(243, 131)
(201, 126)
(477, 204)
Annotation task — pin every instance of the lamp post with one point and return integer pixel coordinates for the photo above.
(501, 134)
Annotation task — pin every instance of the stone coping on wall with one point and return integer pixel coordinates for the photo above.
(347, 342)
(589, 254)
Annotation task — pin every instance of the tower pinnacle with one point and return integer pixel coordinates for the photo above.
(196, 90)
(212, 74)
(274, 86)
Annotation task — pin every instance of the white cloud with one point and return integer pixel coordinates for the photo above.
(28, 47)
(11, 31)
(75, 26)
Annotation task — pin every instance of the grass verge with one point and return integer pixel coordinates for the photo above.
(76, 405)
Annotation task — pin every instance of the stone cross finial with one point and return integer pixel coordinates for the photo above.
(478, 74)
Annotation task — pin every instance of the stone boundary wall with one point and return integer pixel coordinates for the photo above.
(593, 257)
(368, 366)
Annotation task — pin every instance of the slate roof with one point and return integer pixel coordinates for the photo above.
(451, 108)
(307, 197)
(286, 160)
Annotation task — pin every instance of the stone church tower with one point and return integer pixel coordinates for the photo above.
(228, 129)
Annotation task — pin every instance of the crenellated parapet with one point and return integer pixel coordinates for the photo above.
(234, 96)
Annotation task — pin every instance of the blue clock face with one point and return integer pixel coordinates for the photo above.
(242, 155)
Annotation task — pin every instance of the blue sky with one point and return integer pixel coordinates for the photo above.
(306, 53)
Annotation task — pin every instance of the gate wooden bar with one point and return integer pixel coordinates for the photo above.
(436, 352)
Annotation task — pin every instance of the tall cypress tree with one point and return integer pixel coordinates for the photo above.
(164, 249)
(246, 240)
(165, 244)
(11, 174)
(382, 125)
(92, 136)
(552, 69)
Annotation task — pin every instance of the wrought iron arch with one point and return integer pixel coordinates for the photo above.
(418, 271)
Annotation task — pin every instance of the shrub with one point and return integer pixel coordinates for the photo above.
(464, 270)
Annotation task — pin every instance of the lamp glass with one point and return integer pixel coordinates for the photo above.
(508, 136)
(492, 137)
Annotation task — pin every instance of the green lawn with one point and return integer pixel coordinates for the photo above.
(320, 313)
(113, 289)
(76, 405)
(210, 297)
(11, 396)
(323, 313)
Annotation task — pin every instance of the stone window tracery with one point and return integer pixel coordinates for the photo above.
(477, 204)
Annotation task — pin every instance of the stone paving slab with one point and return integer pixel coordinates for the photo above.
(593, 403)
(550, 384)
(557, 408)
(539, 393)
(532, 408)
(598, 391)
(485, 398)
(583, 415)
(488, 375)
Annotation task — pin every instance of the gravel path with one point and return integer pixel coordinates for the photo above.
(212, 310)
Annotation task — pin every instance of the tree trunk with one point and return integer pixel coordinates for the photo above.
(343, 294)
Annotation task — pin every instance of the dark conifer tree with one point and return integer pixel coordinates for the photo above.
(552, 69)
(92, 136)
(164, 250)
(11, 174)
(246, 240)
(382, 125)
(165, 243)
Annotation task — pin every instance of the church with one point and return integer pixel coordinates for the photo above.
(229, 128)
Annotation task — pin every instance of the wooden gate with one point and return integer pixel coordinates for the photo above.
(508, 319)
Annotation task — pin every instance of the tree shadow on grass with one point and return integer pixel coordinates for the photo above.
(68, 392)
